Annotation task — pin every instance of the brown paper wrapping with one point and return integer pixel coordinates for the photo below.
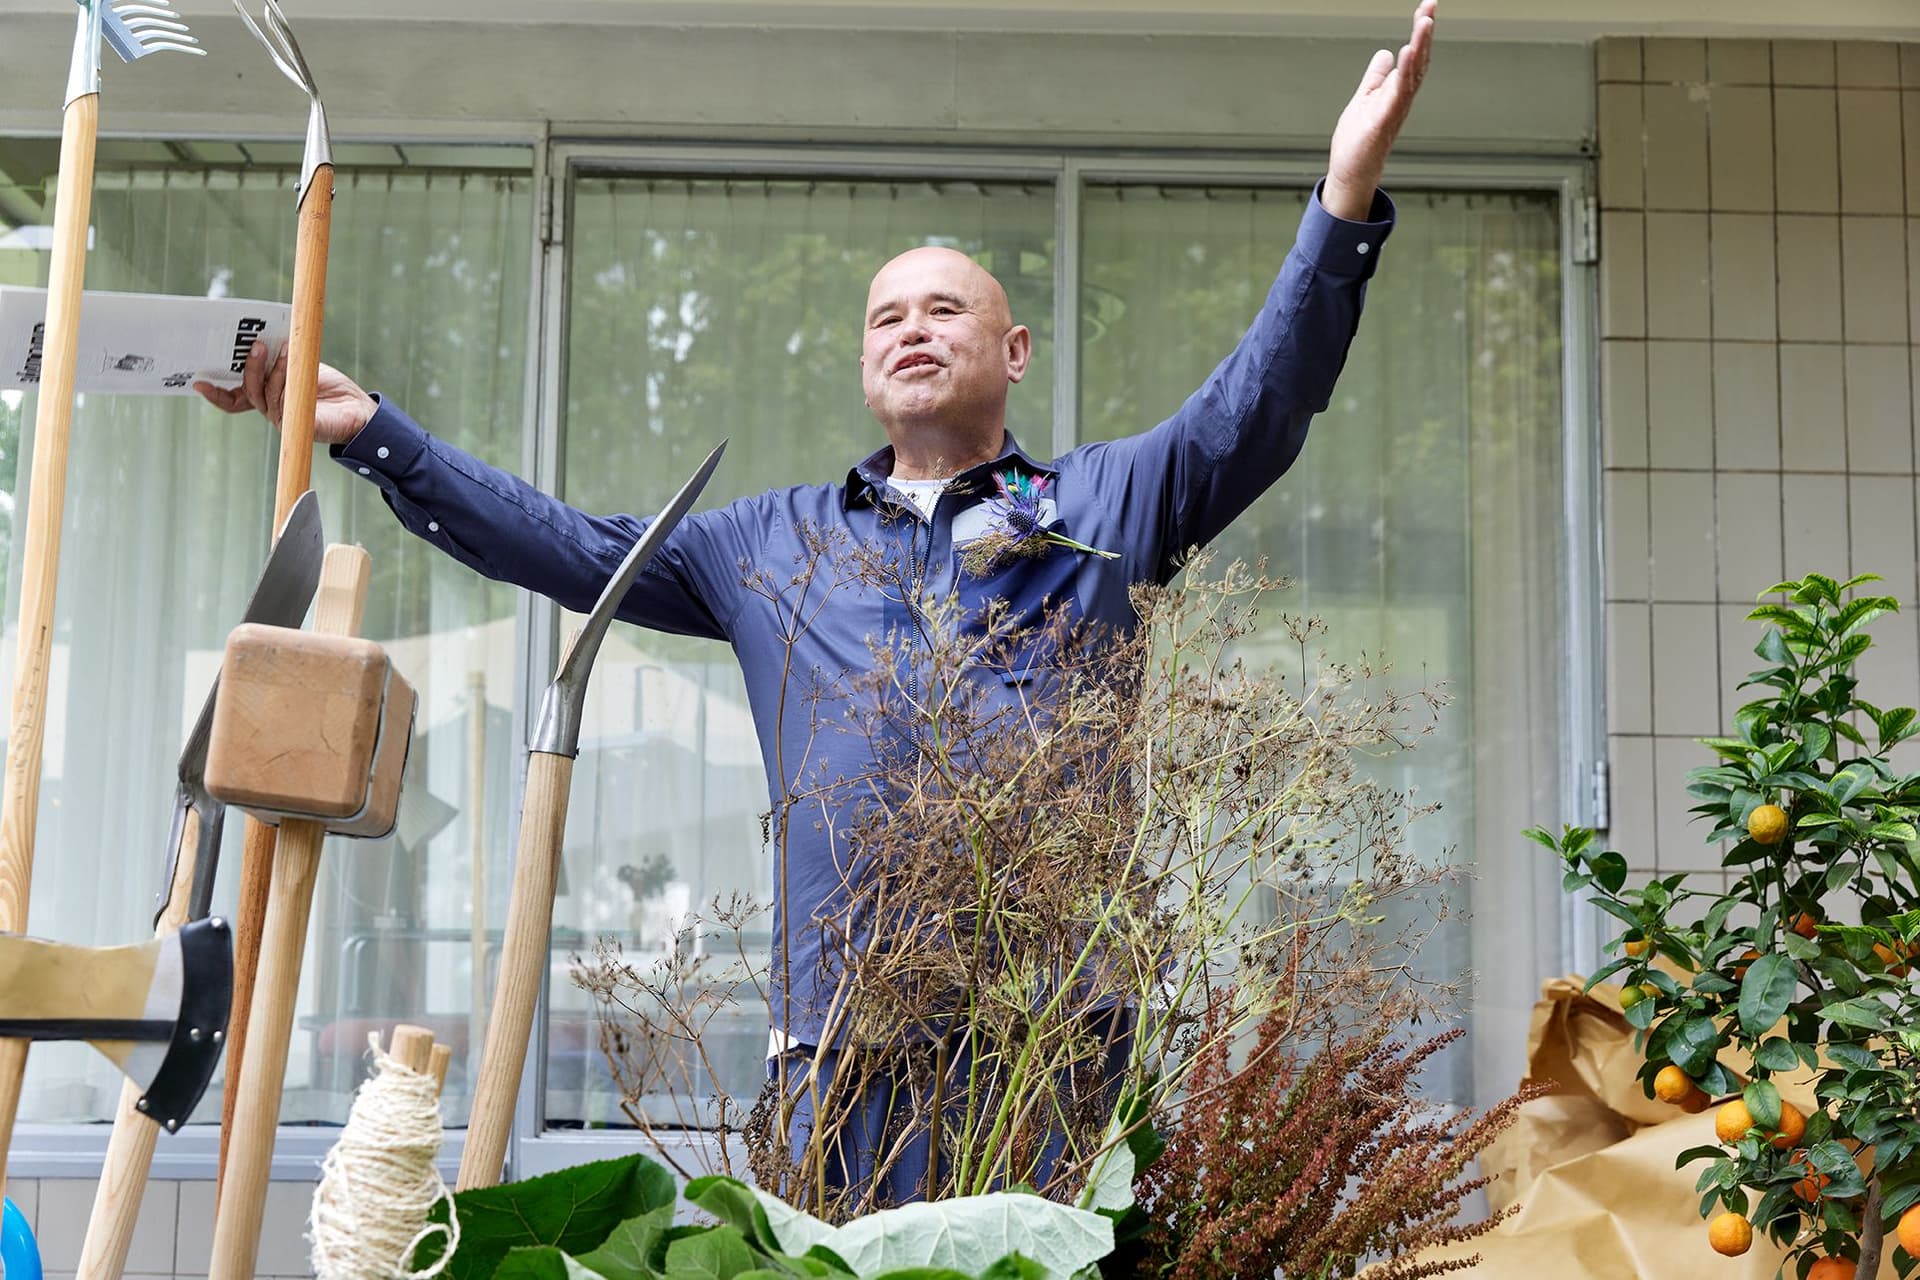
(1591, 1165)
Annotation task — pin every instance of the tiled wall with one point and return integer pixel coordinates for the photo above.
(174, 1237)
(1758, 316)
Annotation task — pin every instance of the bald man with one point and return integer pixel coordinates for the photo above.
(939, 354)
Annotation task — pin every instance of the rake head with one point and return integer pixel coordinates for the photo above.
(134, 30)
(277, 39)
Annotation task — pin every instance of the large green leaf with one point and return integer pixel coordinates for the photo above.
(719, 1253)
(971, 1233)
(1692, 1045)
(573, 1209)
(629, 1252)
(1766, 992)
(543, 1262)
(734, 1203)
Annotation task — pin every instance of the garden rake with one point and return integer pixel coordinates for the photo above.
(134, 30)
(314, 203)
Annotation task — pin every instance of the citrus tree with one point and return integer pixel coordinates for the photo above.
(1803, 965)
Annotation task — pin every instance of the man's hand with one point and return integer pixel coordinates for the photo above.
(1372, 121)
(339, 412)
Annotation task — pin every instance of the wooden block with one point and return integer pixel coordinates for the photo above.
(310, 726)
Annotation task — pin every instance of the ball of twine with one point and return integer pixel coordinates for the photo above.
(379, 1182)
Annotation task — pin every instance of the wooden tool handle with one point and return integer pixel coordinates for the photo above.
(40, 554)
(242, 1196)
(294, 478)
(123, 1178)
(303, 345)
(523, 967)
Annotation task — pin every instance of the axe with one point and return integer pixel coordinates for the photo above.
(280, 599)
(157, 1010)
(536, 862)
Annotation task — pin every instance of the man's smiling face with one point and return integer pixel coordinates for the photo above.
(940, 345)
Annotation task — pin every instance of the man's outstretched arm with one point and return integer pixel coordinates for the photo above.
(499, 525)
(1183, 482)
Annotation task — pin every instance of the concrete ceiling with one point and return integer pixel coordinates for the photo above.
(1379, 19)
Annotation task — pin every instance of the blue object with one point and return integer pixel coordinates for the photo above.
(19, 1255)
(1147, 498)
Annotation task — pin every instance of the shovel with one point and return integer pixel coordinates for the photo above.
(157, 1010)
(280, 599)
(315, 209)
(543, 822)
(134, 30)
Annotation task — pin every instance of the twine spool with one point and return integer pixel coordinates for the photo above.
(379, 1182)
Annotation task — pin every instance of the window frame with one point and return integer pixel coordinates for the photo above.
(76, 1150)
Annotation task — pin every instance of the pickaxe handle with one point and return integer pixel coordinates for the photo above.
(296, 870)
(40, 555)
(523, 967)
(123, 1178)
(295, 477)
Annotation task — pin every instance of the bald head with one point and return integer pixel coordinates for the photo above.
(955, 268)
(939, 352)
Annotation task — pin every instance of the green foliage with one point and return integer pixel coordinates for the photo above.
(1770, 970)
(614, 1220)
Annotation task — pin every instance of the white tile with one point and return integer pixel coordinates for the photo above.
(1806, 146)
(1617, 58)
(1803, 62)
(1813, 408)
(1686, 670)
(283, 1232)
(1622, 184)
(1681, 835)
(1814, 510)
(1910, 64)
(1623, 402)
(1747, 515)
(1910, 134)
(1623, 275)
(1889, 672)
(1738, 636)
(1629, 668)
(1675, 144)
(1675, 60)
(1913, 267)
(1626, 535)
(1678, 269)
(1870, 147)
(193, 1249)
(25, 1194)
(1868, 64)
(1880, 516)
(1879, 410)
(1744, 304)
(1740, 140)
(1748, 62)
(1630, 798)
(1809, 264)
(66, 1206)
(1873, 254)
(1679, 404)
(1746, 405)
(1681, 504)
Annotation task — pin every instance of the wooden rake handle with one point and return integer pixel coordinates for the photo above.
(523, 967)
(296, 869)
(40, 555)
(294, 478)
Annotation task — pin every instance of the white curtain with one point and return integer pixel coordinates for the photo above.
(167, 522)
(1422, 521)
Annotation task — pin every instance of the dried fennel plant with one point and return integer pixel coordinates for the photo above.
(1084, 864)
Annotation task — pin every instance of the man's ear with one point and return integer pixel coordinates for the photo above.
(1019, 348)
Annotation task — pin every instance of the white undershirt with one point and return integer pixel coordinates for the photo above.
(924, 494)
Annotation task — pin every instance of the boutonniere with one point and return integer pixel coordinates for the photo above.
(1015, 527)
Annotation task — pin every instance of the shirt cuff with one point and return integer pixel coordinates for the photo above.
(384, 448)
(1344, 248)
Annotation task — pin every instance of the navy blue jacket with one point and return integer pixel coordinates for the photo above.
(1148, 497)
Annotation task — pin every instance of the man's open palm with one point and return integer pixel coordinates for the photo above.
(1373, 118)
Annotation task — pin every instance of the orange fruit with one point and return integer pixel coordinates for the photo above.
(1740, 970)
(1696, 1102)
(1809, 1187)
(1673, 1085)
(1637, 947)
(1832, 1269)
(1892, 958)
(1731, 1234)
(1731, 1122)
(1806, 925)
(1792, 1128)
(1909, 1231)
(1631, 996)
(1767, 824)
